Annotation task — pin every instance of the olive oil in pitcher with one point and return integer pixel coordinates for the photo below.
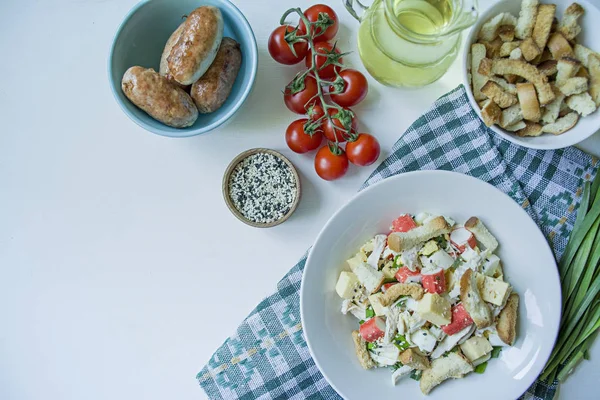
(412, 42)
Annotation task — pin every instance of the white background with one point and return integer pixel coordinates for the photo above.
(121, 269)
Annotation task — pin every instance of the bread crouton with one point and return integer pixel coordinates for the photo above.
(552, 110)
(478, 52)
(507, 320)
(508, 47)
(548, 67)
(583, 72)
(511, 116)
(482, 234)
(516, 54)
(506, 33)
(493, 91)
(454, 365)
(529, 49)
(360, 347)
(413, 290)
(543, 24)
(489, 30)
(566, 68)
(582, 103)
(516, 126)
(485, 67)
(531, 129)
(492, 49)
(491, 113)
(474, 304)
(507, 87)
(594, 73)
(414, 359)
(526, 20)
(527, 71)
(398, 241)
(573, 86)
(582, 53)
(561, 125)
(559, 46)
(569, 27)
(528, 100)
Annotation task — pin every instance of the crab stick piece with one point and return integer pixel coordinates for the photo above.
(460, 320)
(461, 238)
(434, 281)
(373, 329)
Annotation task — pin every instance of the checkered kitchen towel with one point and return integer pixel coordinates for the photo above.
(268, 358)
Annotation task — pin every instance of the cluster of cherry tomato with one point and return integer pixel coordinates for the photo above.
(323, 93)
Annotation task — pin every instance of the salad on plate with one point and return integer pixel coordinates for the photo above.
(430, 299)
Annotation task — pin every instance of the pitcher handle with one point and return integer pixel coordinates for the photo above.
(349, 4)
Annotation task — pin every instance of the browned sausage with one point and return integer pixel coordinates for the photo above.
(197, 45)
(211, 91)
(162, 100)
(164, 64)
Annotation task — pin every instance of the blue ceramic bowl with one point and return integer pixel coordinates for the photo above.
(140, 41)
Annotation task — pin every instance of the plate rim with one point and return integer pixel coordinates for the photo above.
(401, 176)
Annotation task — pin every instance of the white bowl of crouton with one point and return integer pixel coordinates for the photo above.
(532, 71)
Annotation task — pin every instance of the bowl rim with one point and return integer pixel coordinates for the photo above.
(532, 144)
(229, 202)
(187, 132)
(308, 262)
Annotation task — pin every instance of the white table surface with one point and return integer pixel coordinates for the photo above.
(116, 247)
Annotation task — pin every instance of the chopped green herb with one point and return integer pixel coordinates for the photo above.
(371, 346)
(370, 313)
(455, 349)
(400, 342)
(397, 262)
(441, 241)
(496, 351)
(480, 369)
(396, 366)
(362, 321)
(455, 264)
(416, 375)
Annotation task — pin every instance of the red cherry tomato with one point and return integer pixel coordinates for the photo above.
(403, 223)
(300, 101)
(364, 150)
(324, 48)
(330, 166)
(353, 90)
(315, 112)
(313, 14)
(280, 49)
(298, 140)
(341, 123)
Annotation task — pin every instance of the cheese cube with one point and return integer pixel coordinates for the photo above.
(435, 309)
(493, 290)
(429, 248)
(375, 300)
(368, 277)
(424, 340)
(475, 347)
(440, 259)
(492, 267)
(346, 284)
(469, 254)
(369, 246)
(389, 272)
(359, 258)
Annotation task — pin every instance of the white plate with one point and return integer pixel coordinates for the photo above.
(587, 126)
(528, 265)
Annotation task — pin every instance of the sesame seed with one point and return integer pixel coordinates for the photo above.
(262, 188)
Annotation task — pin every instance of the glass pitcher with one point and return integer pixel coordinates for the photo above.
(411, 42)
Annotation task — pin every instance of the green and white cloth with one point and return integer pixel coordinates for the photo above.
(267, 357)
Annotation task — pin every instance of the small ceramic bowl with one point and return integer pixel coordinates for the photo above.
(140, 40)
(586, 126)
(229, 201)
